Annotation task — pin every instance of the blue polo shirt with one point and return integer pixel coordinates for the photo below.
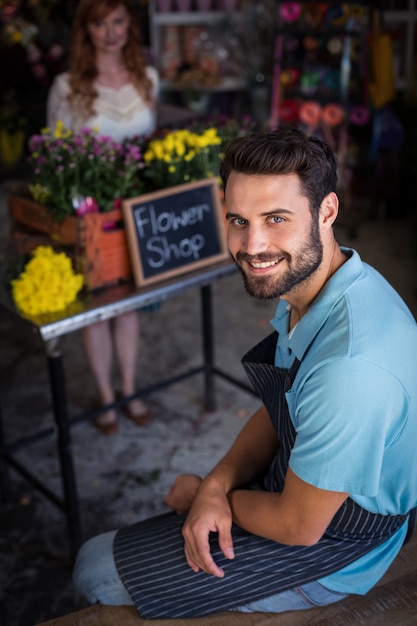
(354, 402)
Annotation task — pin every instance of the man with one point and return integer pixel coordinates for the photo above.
(311, 502)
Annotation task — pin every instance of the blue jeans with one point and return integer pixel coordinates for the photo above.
(95, 576)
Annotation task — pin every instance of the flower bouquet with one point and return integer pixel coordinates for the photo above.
(76, 173)
(174, 157)
(80, 179)
(47, 284)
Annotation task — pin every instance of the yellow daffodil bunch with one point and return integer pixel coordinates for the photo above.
(182, 156)
(47, 283)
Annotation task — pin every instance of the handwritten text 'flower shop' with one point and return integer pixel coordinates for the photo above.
(156, 230)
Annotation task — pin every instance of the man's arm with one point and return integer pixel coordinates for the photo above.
(251, 453)
(297, 516)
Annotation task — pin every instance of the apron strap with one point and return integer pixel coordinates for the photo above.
(411, 523)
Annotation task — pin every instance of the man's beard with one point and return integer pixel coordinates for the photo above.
(308, 259)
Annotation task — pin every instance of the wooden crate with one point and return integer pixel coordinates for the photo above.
(95, 241)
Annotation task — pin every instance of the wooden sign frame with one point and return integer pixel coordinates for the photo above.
(175, 230)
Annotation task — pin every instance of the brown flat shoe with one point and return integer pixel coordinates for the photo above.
(140, 419)
(109, 428)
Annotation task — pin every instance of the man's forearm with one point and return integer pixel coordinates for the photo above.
(251, 453)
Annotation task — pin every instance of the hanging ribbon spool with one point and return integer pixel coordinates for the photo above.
(288, 110)
(335, 46)
(310, 43)
(290, 76)
(315, 14)
(359, 115)
(310, 113)
(309, 82)
(285, 78)
(290, 11)
(332, 79)
(332, 115)
(338, 13)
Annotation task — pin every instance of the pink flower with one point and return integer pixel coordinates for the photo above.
(84, 205)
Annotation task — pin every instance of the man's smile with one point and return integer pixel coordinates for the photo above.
(263, 264)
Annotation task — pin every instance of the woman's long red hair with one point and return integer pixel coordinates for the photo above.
(82, 67)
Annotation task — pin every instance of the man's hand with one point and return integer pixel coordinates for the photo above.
(207, 501)
(210, 512)
(182, 493)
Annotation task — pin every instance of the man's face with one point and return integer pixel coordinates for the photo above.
(271, 236)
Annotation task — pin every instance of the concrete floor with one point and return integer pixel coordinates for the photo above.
(123, 478)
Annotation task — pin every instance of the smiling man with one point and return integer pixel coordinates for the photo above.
(312, 501)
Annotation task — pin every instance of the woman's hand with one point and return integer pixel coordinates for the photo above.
(182, 493)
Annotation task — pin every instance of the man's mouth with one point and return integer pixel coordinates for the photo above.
(263, 264)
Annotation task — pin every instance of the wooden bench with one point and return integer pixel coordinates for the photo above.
(393, 601)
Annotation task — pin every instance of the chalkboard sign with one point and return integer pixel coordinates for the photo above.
(175, 230)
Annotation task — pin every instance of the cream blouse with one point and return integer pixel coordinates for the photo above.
(119, 113)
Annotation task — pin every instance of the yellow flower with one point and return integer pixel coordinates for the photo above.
(47, 284)
(39, 193)
(60, 131)
(173, 157)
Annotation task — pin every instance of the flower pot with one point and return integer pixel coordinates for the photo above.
(95, 241)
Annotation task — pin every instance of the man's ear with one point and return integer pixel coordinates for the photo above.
(329, 210)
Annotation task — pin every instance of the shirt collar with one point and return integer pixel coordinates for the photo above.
(309, 325)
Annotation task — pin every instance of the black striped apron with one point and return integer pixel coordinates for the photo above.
(149, 555)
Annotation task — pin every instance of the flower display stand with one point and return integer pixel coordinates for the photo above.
(96, 241)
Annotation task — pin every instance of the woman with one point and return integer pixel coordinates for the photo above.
(108, 87)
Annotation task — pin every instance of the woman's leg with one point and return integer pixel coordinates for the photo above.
(95, 573)
(126, 341)
(98, 346)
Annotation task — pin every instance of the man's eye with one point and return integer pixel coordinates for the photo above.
(276, 219)
(238, 221)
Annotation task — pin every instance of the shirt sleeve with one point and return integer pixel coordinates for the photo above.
(57, 106)
(347, 413)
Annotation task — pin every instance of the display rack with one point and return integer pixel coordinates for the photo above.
(320, 75)
(174, 34)
(399, 18)
(320, 57)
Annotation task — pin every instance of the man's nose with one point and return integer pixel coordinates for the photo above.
(255, 241)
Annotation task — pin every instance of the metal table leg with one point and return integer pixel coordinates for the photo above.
(208, 350)
(59, 400)
(4, 474)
